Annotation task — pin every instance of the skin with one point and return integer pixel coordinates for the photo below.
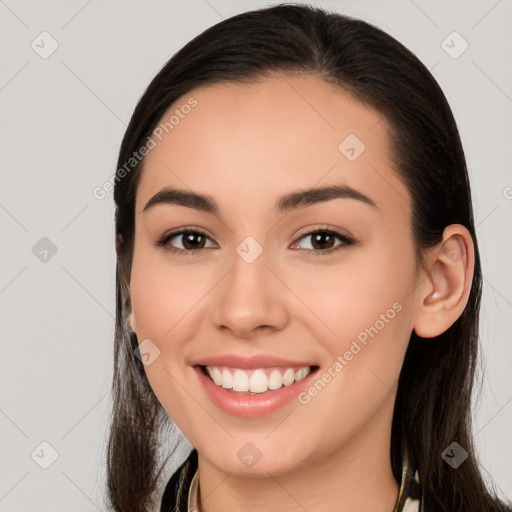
(246, 146)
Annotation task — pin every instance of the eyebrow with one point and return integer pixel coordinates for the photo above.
(292, 201)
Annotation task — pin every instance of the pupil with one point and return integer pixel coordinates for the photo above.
(318, 237)
(189, 240)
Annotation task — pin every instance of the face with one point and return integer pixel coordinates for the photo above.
(268, 278)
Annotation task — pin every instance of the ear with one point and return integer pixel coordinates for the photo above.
(446, 282)
(118, 242)
(131, 321)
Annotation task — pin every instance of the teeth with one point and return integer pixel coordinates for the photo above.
(240, 381)
(227, 379)
(256, 381)
(275, 381)
(216, 375)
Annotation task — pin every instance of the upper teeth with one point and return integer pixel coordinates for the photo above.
(255, 381)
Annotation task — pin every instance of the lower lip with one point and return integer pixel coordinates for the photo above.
(259, 404)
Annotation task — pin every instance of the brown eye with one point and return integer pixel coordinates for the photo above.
(323, 241)
(192, 240)
(184, 241)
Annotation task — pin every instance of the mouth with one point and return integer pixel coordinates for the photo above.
(255, 381)
(254, 392)
(254, 385)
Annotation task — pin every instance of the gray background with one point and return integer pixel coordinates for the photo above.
(62, 121)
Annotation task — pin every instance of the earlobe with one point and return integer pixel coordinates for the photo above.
(131, 321)
(445, 291)
(118, 242)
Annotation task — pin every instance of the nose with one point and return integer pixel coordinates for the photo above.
(250, 299)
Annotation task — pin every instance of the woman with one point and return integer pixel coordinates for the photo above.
(298, 279)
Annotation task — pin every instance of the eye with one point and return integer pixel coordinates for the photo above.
(191, 240)
(323, 241)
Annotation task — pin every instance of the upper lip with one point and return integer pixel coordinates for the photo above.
(253, 362)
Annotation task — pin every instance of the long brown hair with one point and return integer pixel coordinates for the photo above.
(433, 402)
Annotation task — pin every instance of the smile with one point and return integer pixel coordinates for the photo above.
(259, 380)
(253, 392)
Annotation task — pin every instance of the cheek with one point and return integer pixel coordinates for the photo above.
(163, 294)
(363, 311)
(345, 299)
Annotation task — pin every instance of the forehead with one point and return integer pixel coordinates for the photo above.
(249, 143)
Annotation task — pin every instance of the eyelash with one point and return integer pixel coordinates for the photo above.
(345, 241)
